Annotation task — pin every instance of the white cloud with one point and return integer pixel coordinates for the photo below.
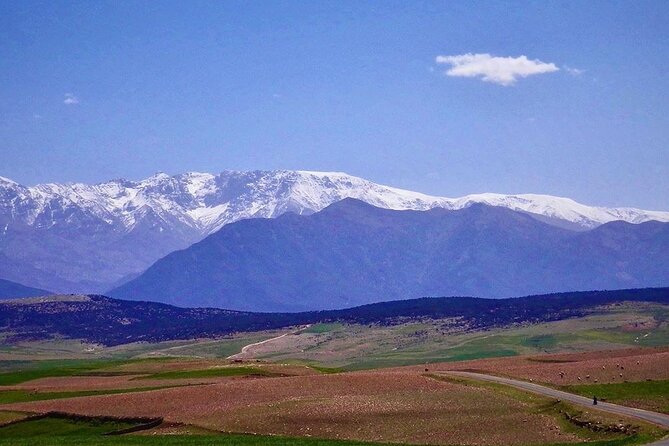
(499, 70)
(573, 71)
(70, 99)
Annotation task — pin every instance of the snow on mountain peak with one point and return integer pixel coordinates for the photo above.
(204, 202)
(83, 237)
(156, 178)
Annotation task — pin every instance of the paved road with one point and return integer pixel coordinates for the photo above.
(645, 415)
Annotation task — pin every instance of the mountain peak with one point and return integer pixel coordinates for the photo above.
(156, 178)
(164, 212)
(205, 202)
(321, 174)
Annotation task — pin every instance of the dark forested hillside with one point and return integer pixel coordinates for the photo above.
(110, 321)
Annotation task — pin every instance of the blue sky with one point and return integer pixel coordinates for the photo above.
(97, 90)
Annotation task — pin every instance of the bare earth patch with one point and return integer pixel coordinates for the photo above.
(83, 383)
(612, 366)
(402, 406)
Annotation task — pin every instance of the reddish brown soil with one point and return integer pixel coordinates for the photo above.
(603, 366)
(81, 383)
(400, 406)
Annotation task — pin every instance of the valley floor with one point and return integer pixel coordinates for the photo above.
(323, 385)
(405, 405)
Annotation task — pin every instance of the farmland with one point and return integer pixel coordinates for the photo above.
(632, 377)
(357, 347)
(334, 383)
(403, 405)
(57, 430)
(597, 367)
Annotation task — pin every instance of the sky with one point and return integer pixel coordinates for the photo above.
(445, 98)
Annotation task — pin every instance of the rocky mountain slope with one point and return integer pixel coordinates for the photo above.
(86, 238)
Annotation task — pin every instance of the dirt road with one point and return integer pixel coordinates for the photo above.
(247, 348)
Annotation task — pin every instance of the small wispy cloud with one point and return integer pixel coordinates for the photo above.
(70, 99)
(573, 71)
(498, 70)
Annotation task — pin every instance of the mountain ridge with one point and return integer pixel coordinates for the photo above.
(129, 197)
(352, 253)
(86, 238)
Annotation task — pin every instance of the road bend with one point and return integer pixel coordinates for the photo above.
(640, 414)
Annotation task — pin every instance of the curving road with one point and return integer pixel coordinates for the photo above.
(645, 415)
(248, 347)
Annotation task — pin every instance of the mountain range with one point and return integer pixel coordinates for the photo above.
(90, 238)
(352, 253)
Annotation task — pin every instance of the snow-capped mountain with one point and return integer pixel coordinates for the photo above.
(202, 202)
(79, 237)
(205, 202)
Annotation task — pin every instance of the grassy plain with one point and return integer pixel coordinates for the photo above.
(59, 431)
(358, 347)
(213, 372)
(632, 377)
(21, 396)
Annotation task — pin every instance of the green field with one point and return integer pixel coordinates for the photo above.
(211, 373)
(356, 347)
(60, 427)
(22, 371)
(59, 431)
(17, 372)
(21, 396)
(322, 328)
(653, 395)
